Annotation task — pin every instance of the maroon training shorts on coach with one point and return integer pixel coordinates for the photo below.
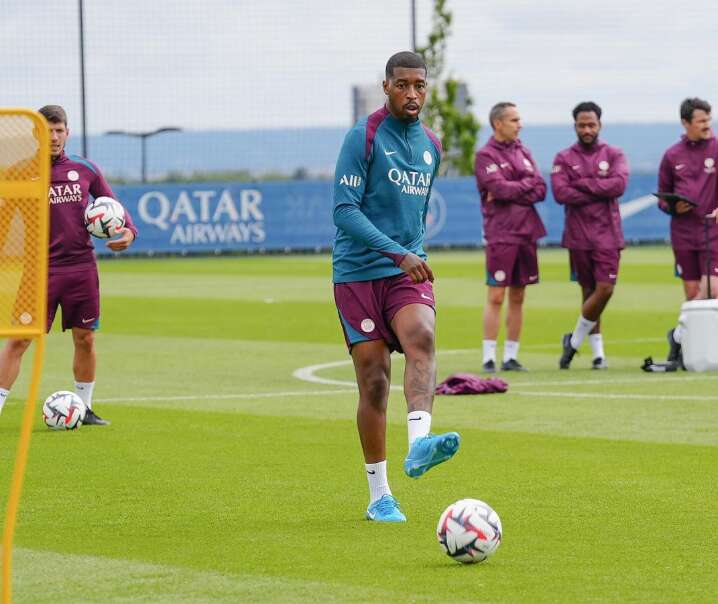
(366, 308)
(691, 264)
(77, 292)
(589, 267)
(511, 264)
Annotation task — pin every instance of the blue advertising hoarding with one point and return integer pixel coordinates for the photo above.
(297, 215)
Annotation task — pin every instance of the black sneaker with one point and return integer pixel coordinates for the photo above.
(675, 354)
(489, 367)
(568, 352)
(92, 419)
(599, 363)
(512, 365)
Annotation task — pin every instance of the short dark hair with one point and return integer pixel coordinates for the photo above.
(587, 107)
(498, 110)
(690, 105)
(54, 114)
(407, 59)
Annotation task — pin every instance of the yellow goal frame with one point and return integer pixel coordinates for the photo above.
(33, 191)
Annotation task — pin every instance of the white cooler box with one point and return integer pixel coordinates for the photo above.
(699, 340)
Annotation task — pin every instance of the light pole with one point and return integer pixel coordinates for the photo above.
(83, 104)
(413, 25)
(143, 136)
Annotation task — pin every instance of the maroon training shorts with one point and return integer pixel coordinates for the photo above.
(78, 294)
(691, 264)
(511, 264)
(366, 308)
(589, 267)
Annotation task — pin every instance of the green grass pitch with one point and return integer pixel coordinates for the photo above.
(225, 478)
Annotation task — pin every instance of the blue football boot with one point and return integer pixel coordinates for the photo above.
(385, 509)
(429, 451)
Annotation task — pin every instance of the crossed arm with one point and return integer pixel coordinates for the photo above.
(527, 191)
(588, 189)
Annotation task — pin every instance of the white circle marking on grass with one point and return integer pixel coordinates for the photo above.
(308, 374)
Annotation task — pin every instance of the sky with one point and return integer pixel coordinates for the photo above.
(222, 64)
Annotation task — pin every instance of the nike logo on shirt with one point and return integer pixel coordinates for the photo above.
(426, 297)
(389, 152)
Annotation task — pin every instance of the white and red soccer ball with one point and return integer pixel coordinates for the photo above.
(469, 531)
(104, 217)
(63, 410)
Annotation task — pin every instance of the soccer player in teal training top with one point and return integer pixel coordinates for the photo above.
(382, 283)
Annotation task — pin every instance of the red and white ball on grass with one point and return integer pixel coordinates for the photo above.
(63, 410)
(104, 217)
(469, 531)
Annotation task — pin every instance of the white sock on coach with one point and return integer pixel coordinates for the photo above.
(3, 397)
(84, 391)
(418, 424)
(489, 351)
(596, 341)
(511, 350)
(378, 484)
(583, 327)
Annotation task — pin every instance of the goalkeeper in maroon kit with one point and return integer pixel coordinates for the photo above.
(73, 282)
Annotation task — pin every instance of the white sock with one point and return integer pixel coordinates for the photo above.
(596, 340)
(583, 327)
(3, 397)
(489, 351)
(511, 350)
(84, 391)
(378, 484)
(677, 334)
(419, 424)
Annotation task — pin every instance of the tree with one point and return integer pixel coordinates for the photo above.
(456, 126)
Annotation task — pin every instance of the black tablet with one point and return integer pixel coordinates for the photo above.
(673, 198)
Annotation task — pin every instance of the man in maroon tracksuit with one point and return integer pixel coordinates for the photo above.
(587, 179)
(509, 183)
(73, 282)
(688, 168)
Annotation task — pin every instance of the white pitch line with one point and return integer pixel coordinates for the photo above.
(206, 397)
(308, 374)
(557, 345)
(603, 395)
(258, 395)
(609, 382)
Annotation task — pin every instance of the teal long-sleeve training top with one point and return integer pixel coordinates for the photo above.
(382, 186)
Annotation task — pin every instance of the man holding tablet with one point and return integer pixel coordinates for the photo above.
(688, 171)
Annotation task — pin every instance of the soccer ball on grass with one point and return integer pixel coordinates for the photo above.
(104, 217)
(469, 531)
(63, 410)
